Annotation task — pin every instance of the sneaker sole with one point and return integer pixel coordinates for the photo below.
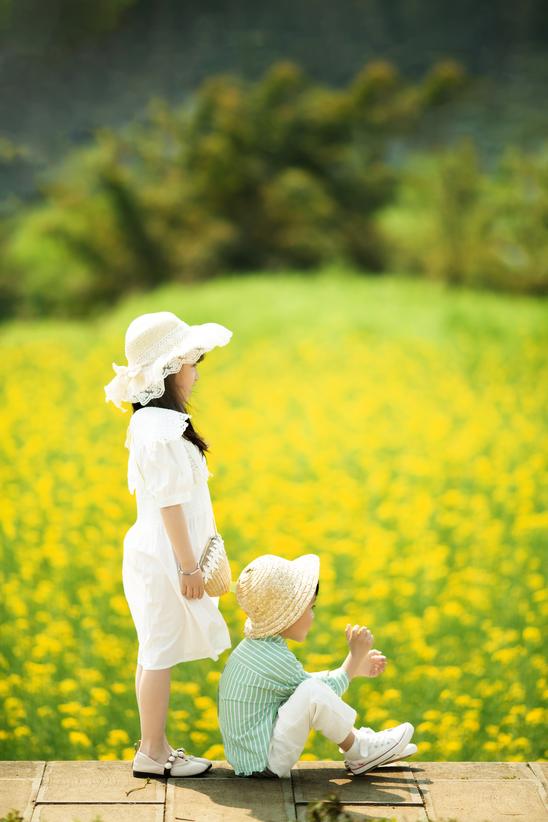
(403, 755)
(168, 775)
(394, 760)
(392, 754)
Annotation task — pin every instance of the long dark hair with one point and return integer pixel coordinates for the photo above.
(169, 400)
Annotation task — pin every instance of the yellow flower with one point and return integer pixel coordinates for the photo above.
(100, 695)
(116, 737)
(537, 716)
(532, 634)
(69, 722)
(215, 752)
(70, 707)
(198, 737)
(79, 739)
(67, 686)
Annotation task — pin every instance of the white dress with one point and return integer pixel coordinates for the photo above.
(164, 468)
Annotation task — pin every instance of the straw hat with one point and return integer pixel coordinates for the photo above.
(274, 592)
(158, 344)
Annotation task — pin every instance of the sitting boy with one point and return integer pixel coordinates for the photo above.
(268, 703)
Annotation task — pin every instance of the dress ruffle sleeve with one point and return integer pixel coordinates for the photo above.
(158, 459)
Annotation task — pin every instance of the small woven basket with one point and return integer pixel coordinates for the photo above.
(215, 567)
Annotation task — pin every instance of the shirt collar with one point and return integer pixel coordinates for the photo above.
(279, 640)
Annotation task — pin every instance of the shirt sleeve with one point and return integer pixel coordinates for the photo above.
(337, 679)
(166, 471)
(286, 673)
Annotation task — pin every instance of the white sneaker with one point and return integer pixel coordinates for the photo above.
(409, 750)
(176, 765)
(378, 748)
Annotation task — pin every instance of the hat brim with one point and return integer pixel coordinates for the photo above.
(138, 384)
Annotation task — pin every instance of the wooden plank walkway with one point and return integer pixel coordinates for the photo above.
(106, 791)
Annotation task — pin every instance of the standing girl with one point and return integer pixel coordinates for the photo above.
(175, 620)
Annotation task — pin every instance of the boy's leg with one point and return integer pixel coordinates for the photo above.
(312, 705)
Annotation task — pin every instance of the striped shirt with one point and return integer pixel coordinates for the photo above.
(260, 675)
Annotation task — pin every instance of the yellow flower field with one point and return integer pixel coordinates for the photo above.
(396, 429)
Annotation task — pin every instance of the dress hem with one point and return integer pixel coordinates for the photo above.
(190, 658)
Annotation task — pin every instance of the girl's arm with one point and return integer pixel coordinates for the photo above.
(192, 586)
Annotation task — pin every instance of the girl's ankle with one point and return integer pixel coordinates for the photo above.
(158, 752)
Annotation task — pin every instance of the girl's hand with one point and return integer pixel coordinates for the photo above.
(360, 639)
(192, 585)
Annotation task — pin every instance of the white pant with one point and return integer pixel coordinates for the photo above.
(313, 704)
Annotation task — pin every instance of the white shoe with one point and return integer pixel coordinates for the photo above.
(137, 744)
(176, 765)
(409, 750)
(201, 759)
(378, 748)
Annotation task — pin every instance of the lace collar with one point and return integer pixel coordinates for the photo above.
(154, 424)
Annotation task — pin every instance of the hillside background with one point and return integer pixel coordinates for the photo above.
(68, 68)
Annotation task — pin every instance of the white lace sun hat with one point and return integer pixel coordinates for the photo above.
(158, 344)
(274, 592)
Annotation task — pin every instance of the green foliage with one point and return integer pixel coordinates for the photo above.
(330, 809)
(279, 173)
(453, 222)
(327, 810)
(37, 22)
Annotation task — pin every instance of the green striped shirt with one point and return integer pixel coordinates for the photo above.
(260, 675)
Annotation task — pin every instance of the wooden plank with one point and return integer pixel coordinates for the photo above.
(401, 813)
(19, 785)
(470, 770)
(229, 800)
(477, 800)
(540, 771)
(17, 795)
(221, 770)
(393, 785)
(97, 782)
(540, 775)
(21, 768)
(91, 813)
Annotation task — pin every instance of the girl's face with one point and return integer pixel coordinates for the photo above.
(183, 381)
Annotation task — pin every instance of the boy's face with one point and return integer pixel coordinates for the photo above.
(302, 626)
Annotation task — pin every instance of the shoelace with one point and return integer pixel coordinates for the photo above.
(376, 740)
(376, 743)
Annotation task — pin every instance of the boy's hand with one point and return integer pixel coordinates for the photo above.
(360, 640)
(362, 659)
(374, 664)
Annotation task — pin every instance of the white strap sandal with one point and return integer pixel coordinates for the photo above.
(180, 751)
(176, 765)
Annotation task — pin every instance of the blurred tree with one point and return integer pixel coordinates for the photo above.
(279, 173)
(455, 223)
